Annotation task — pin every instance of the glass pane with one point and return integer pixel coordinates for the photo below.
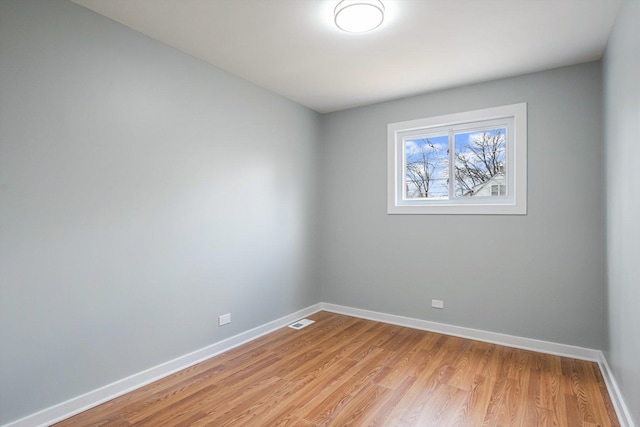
(427, 168)
(480, 163)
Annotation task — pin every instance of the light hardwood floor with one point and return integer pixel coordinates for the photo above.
(347, 371)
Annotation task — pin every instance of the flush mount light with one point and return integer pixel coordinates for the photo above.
(359, 16)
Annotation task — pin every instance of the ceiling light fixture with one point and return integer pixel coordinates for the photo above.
(359, 16)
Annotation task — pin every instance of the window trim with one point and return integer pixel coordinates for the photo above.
(512, 205)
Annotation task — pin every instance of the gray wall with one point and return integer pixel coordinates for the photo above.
(537, 276)
(142, 194)
(622, 136)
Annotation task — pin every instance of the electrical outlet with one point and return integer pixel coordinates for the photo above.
(224, 319)
(436, 303)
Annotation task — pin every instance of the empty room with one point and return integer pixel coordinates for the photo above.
(319, 212)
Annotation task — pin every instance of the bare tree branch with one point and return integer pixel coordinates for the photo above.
(482, 160)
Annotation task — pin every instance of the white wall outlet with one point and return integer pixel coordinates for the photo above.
(224, 319)
(436, 303)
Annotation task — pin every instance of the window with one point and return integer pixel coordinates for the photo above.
(466, 163)
(498, 190)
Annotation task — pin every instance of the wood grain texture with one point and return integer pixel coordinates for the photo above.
(345, 371)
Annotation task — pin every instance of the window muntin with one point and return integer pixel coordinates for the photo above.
(469, 163)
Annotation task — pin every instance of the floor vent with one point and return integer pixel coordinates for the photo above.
(301, 324)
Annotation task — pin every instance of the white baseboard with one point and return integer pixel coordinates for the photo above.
(96, 397)
(624, 416)
(93, 398)
(474, 334)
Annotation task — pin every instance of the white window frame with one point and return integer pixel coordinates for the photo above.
(513, 117)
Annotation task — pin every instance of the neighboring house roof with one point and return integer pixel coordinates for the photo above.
(496, 179)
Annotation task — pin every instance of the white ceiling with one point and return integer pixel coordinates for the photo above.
(292, 47)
